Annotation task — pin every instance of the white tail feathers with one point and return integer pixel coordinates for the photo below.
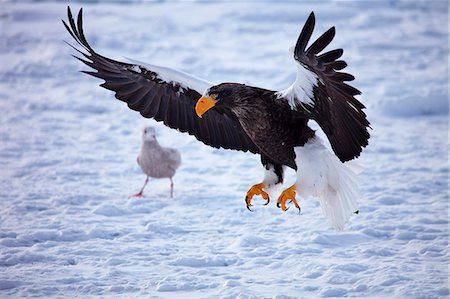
(321, 174)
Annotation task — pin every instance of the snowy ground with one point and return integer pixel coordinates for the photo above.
(68, 148)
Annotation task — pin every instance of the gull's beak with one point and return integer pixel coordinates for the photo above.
(204, 104)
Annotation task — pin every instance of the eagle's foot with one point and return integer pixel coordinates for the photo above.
(288, 194)
(256, 190)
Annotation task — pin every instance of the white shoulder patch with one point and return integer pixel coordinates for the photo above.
(169, 75)
(301, 91)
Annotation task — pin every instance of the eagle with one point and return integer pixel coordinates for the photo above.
(273, 124)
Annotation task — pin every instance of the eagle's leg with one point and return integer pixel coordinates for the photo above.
(288, 194)
(256, 190)
(273, 175)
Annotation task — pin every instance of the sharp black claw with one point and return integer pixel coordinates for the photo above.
(247, 204)
(299, 210)
(278, 205)
(268, 200)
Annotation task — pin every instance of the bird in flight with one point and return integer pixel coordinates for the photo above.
(273, 124)
(156, 161)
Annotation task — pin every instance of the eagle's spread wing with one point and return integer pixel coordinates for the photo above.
(320, 93)
(163, 94)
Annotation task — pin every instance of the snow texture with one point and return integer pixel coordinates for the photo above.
(68, 158)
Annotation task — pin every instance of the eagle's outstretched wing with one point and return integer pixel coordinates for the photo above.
(320, 93)
(163, 94)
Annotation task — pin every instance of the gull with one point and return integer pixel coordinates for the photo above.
(156, 161)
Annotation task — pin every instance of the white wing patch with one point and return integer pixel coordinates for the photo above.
(136, 68)
(301, 91)
(169, 75)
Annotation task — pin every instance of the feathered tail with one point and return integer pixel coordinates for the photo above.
(321, 174)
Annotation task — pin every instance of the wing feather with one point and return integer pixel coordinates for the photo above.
(161, 93)
(305, 35)
(320, 93)
(336, 65)
(331, 56)
(320, 43)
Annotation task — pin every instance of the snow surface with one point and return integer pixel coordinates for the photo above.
(68, 158)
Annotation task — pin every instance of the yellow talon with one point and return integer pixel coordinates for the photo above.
(256, 190)
(288, 194)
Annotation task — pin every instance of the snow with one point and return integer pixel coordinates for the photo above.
(68, 158)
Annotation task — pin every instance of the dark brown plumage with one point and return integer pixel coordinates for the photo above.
(270, 123)
(342, 118)
(146, 93)
(273, 124)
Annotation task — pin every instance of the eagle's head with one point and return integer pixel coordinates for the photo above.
(222, 95)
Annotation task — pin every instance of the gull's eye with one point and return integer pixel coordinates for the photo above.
(145, 131)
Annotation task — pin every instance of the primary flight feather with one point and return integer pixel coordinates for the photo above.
(273, 124)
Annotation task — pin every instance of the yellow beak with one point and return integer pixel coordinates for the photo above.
(203, 105)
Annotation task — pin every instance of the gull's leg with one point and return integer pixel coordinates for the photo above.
(140, 193)
(288, 194)
(171, 188)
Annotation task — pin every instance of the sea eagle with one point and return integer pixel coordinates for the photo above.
(273, 124)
